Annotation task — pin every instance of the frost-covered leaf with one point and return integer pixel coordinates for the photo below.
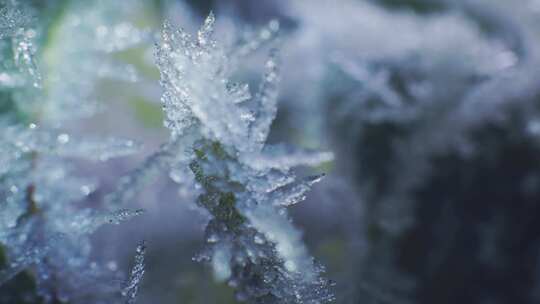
(294, 192)
(54, 142)
(266, 100)
(283, 157)
(288, 241)
(135, 277)
(204, 35)
(87, 222)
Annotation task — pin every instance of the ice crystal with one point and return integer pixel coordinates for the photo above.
(251, 242)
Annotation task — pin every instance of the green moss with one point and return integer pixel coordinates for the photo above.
(227, 212)
(221, 204)
(197, 171)
(200, 154)
(218, 150)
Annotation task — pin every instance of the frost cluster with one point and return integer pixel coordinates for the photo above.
(245, 184)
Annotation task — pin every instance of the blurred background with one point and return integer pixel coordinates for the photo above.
(431, 107)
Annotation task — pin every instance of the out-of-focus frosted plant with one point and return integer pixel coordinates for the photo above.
(218, 134)
(399, 91)
(45, 216)
(360, 46)
(363, 88)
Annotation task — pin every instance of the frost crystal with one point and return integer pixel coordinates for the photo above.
(53, 142)
(251, 242)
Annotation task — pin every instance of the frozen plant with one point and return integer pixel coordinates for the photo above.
(218, 137)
